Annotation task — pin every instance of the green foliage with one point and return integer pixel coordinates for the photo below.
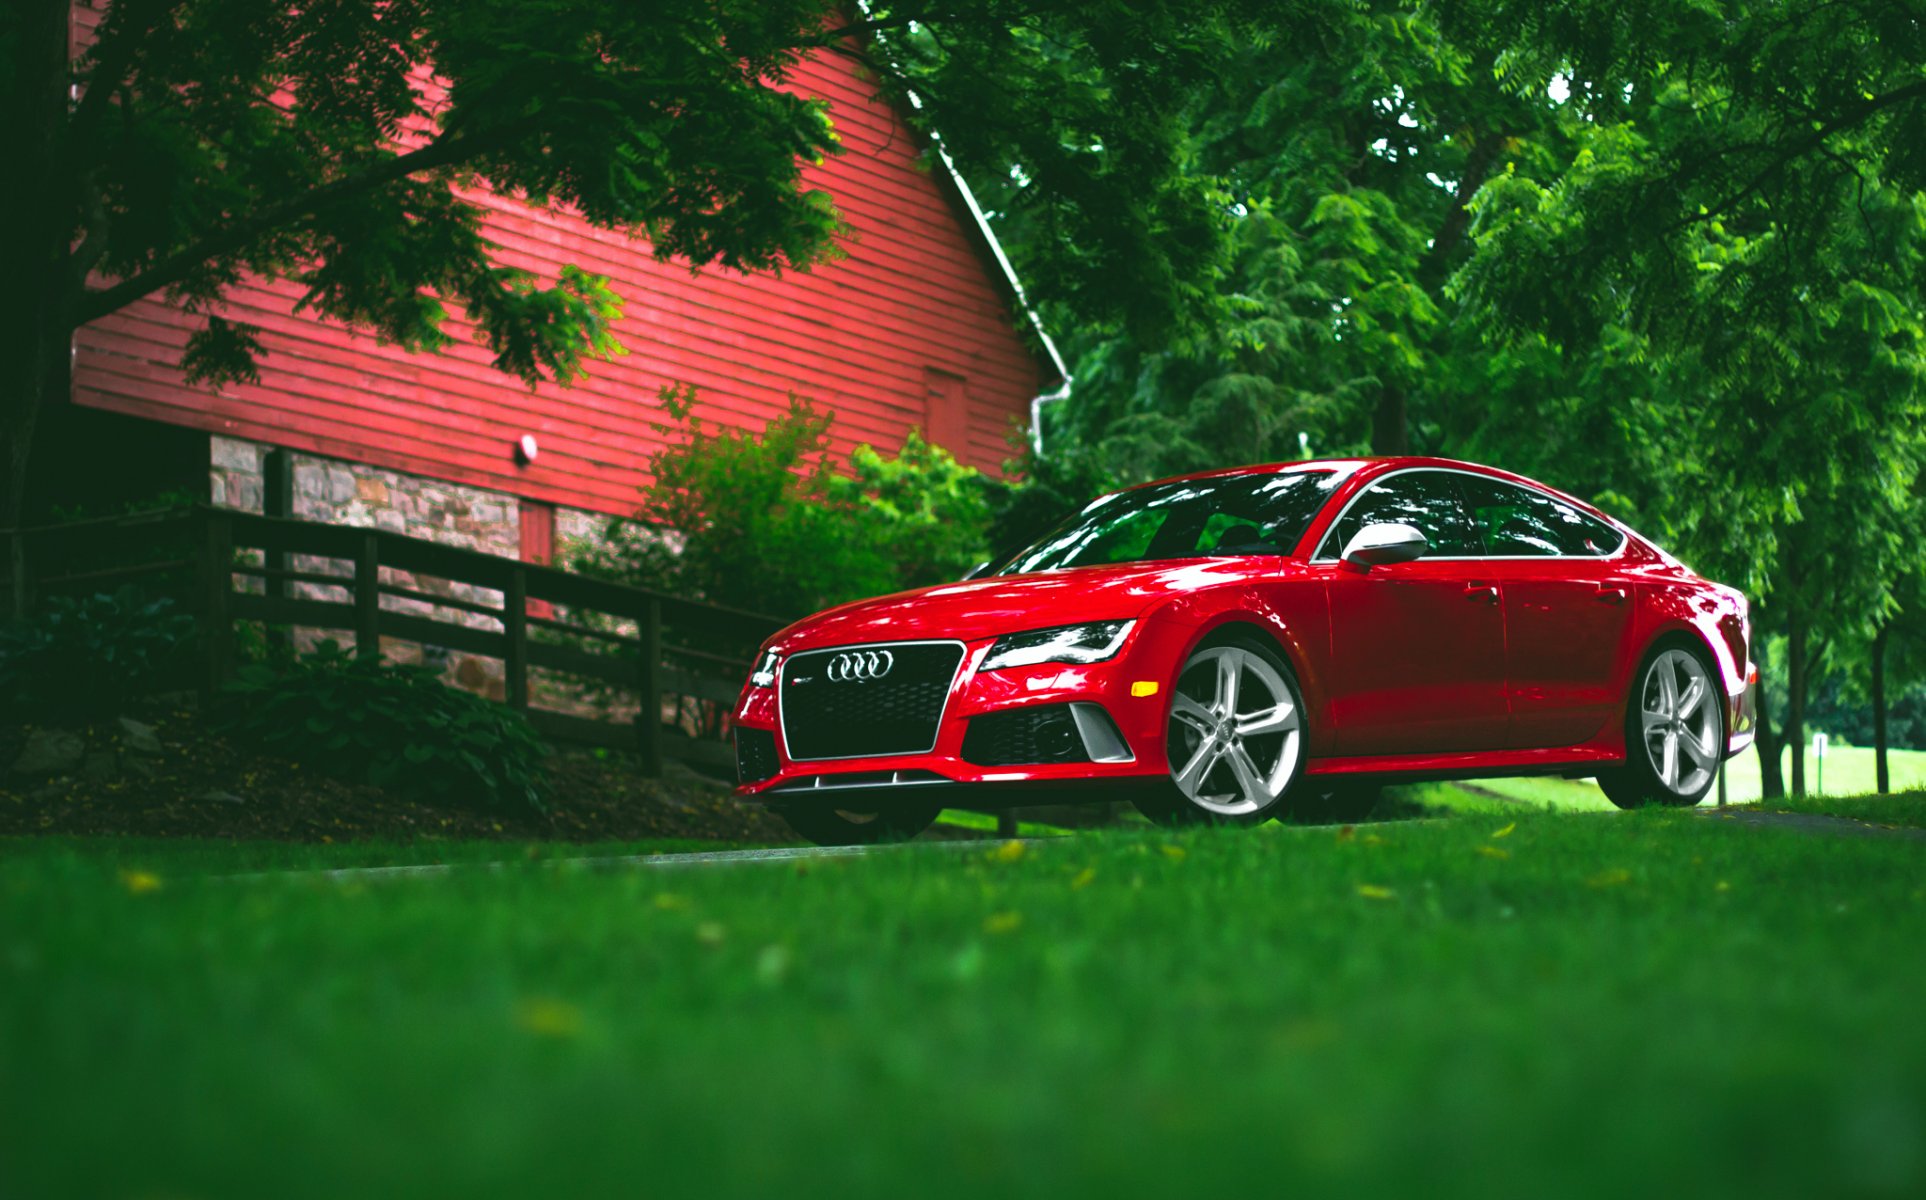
(392, 726)
(1342, 170)
(1040, 490)
(924, 512)
(763, 520)
(1736, 222)
(84, 658)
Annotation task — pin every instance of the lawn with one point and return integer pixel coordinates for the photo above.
(1848, 772)
(1528, 1005)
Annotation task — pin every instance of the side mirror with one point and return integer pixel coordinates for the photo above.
(978, 571)
(1385, 543)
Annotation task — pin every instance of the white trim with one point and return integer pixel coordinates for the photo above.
(782, 725)
(1625, 539)
(1009, 270)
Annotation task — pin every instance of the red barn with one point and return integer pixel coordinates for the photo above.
(921, 325)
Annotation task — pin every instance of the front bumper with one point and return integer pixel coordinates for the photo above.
(1108, 686)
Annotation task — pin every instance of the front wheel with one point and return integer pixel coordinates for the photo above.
(1235, 738)
(1674, 733)
(860, 827)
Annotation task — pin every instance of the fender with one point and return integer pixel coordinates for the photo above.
(1295, 618)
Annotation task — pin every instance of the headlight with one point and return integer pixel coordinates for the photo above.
(1066, 644)
(765, 673)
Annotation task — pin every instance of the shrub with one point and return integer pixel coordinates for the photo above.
(83, 658)
(767, 522)
(928, 514)
(394, 726)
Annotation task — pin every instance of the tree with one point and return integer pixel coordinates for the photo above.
(339, 144)
(1743, 213)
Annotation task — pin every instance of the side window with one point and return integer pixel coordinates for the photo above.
(1426, 500)
(1521, 523)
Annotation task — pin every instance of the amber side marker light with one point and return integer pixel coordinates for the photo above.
(1144, 687)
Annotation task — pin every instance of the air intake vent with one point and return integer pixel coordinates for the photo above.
(1046, 733)
(755, 754)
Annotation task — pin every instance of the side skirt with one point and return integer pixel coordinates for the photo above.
(1571, 761)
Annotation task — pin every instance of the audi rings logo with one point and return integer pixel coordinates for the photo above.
(859, 665)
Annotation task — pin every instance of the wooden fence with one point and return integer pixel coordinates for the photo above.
(647, 644)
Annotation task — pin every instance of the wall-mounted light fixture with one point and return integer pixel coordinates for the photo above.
(526, 449)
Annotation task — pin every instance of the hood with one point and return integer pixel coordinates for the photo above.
(982, 608)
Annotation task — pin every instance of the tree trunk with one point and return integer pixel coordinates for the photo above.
(35, 346)
(1883, 782)
(1771, 780)
(1388, 424)
(1796, 698)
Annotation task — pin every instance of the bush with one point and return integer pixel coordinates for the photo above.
(927, 514)
(396, 727)
(84, 658)
(765, 521)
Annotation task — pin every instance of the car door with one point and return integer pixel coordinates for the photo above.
(1417, 648)
(1568, 610)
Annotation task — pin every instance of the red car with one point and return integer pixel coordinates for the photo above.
(1255, 642)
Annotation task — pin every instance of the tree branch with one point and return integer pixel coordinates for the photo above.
(1478, 164)
(1858, 115)
(113, 60)
(444, 151)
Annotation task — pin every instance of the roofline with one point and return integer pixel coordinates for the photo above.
(1057, 386)
(1061, 382)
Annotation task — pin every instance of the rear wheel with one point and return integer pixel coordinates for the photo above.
(1235, 738)
(860, 827)
(1674, 732)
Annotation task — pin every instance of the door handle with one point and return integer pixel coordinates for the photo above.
(1609, 594)
(1486, 593)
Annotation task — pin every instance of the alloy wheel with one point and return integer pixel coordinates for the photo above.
(1679, 722)
(1234, 732)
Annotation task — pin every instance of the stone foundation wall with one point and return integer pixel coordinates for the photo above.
(352, 494)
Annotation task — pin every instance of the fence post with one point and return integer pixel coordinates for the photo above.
(515, 625)
(217, 583)
(367, 597)
(277, 500)
(648, 685)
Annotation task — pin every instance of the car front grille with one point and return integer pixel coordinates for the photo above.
(755, 754)
(830, 711)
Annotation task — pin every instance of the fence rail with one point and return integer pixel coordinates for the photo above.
(648, 644)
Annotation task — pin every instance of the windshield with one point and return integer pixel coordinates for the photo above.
(1228, 514)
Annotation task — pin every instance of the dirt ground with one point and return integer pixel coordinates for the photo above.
(197, 784)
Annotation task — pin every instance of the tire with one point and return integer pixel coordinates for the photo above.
(1234, 738)
(1673, 743)
(1334, 804)
(825, 826)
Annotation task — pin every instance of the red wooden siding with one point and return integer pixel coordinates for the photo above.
(916, 301)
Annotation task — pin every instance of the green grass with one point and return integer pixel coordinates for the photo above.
(1849, 771)
(197, 856)
(1583, 1005)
